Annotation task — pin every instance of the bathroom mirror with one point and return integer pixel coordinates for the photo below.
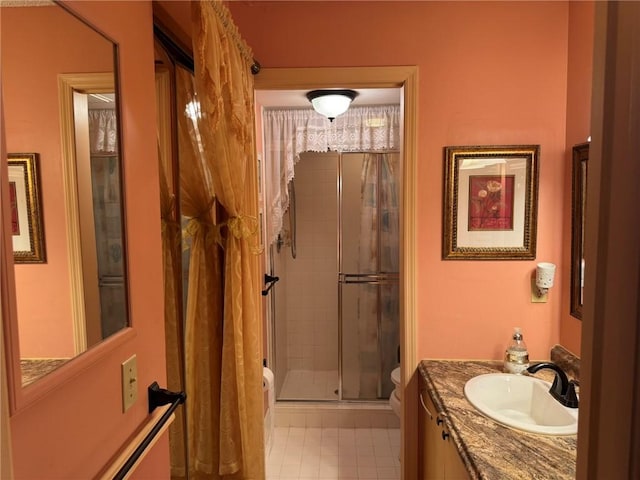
(60, 95)
(578, 203)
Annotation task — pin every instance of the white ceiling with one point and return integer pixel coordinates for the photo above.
(298, 99)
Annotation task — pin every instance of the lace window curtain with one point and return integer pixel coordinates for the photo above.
(290, 132)
(103, 133)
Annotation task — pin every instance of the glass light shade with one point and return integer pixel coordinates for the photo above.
(331, 103)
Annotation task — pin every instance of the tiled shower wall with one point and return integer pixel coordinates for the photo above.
(311, 288)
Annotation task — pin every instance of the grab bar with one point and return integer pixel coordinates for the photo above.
(157, 397)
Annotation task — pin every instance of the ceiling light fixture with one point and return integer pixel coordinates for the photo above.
(331, 103)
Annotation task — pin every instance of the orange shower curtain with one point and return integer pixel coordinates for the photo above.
(226, 363)
(203, 318)
(173, 332)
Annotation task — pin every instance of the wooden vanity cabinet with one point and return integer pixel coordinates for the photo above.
(439, 458)
(453, 466)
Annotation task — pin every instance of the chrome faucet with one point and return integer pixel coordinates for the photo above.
(563, 390)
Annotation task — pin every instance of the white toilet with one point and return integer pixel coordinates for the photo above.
(396, 395)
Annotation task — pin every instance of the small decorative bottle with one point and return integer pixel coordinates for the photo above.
(516, 359)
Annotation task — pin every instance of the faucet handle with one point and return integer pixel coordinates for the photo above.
(570, 398)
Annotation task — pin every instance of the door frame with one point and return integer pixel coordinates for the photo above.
(406, 78)
(609, 422)
(80, 233)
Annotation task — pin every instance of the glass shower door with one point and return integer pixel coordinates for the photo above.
(368, 279)
(108, 235)
(305, 299)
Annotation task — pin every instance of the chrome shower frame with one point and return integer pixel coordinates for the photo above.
(371, 279)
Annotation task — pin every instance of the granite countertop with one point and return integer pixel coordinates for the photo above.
(488, 449)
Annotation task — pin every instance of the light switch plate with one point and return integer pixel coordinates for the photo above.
(129, 382)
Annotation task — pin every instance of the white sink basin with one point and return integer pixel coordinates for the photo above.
(521, 402)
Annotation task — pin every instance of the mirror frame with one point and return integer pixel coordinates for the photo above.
(578, 201)
(21, 396)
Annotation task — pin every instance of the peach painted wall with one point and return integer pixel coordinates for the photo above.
(490, 73)
(175, 16)
(73, 430)
(31, 64)
(580, 72)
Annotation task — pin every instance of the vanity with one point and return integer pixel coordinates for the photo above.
(458, 442)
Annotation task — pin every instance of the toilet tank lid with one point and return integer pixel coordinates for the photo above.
(395, 376)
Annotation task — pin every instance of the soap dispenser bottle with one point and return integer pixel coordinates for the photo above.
(516, 359)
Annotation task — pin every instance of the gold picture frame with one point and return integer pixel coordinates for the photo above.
(490, 202)
(26, 219)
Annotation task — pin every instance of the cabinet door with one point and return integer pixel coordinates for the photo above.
(431, 447)
(454, 469)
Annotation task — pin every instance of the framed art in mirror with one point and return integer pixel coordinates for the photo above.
(490, 202)
(24, 198)
(578, 203)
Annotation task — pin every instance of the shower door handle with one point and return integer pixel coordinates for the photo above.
(269, 282)
(368, 278)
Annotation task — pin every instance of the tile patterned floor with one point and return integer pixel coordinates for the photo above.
(334, 454)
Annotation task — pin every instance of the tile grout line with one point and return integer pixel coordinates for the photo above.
(334, 454)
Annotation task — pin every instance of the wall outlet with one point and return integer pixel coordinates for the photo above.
(534, 293)
(129, 382)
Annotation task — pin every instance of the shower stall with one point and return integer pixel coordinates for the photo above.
(334, 314)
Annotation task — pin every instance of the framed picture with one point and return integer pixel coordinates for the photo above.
(26, 221)
(490, 202)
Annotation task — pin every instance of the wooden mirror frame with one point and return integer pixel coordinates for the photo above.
(578, 202)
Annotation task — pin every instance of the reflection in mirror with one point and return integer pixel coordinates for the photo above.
(578, 203)
(60, 101)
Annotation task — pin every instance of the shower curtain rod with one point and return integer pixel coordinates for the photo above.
(224, 15)
(179, 53)
(255, 68)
